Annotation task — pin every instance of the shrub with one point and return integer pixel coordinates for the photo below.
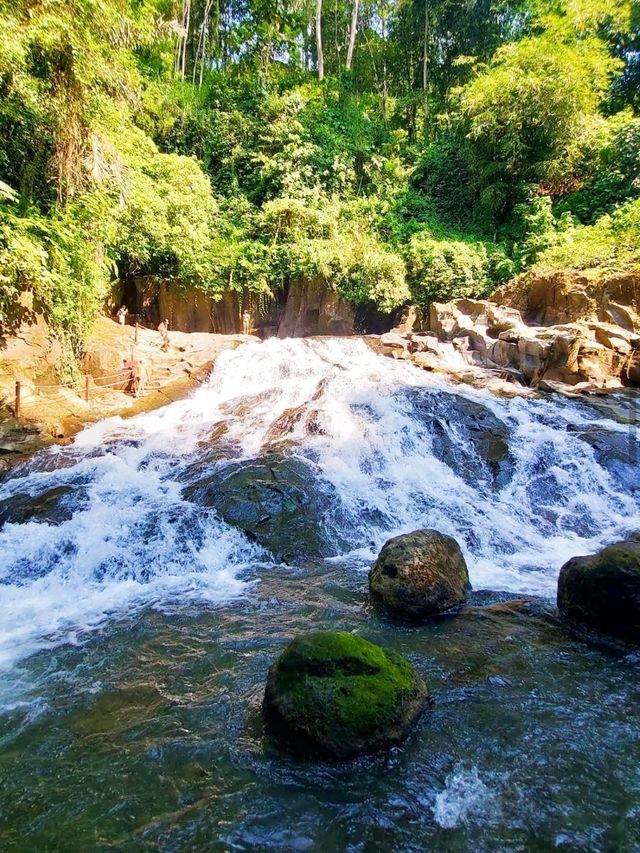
(444, 269)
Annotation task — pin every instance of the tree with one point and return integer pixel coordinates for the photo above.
(526, 119)
(319, 51)
(353, 29)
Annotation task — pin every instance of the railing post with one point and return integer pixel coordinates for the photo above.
(17, 401)
(86, 388)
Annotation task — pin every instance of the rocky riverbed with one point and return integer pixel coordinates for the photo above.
(152, 573)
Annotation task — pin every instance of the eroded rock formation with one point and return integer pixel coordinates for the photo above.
(551, 332)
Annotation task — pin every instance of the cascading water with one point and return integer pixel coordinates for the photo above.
(519, 482)
(152, 571)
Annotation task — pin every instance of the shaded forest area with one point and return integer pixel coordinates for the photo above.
(400, 149)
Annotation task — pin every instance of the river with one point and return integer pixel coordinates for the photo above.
(152, 570)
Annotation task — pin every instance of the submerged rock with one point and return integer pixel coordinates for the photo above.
(334, 694)
(614, 450)
(470, 439)
(420, 574)
(602, 590)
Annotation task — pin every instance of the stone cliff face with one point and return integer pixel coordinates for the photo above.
(307, 307)
(557, 297)
(311, 308)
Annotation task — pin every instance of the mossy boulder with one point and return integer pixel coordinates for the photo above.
(419, 575)
(602, 591)
(334, 695)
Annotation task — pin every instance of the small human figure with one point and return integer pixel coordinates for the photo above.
(246, 323)
(163, 328)
(133, 365)
(122, 315)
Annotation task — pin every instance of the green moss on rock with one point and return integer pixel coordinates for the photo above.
(334, 694)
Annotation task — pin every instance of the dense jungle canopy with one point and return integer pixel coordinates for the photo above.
(398, 148)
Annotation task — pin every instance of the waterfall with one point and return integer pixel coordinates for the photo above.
(107, 525)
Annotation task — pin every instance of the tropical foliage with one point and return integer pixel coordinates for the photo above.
(395, 148)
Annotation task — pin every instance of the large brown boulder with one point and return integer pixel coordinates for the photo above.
(336, 695)
(602, 591)
(419, 574)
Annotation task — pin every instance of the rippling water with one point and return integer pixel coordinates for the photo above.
(138, 624)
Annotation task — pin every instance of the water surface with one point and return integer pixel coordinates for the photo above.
(138, 625)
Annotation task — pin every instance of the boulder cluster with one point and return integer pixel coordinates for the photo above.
(335, 695)
(558, 334)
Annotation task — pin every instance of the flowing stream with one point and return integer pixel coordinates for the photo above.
(151, 571)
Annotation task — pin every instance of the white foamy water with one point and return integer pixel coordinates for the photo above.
(394, 446)
(465, 797)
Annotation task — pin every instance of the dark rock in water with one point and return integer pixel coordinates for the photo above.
(419, 575)
(336, 695)
(469, 438)
(277, 501)
(53, 506)
(602, 591)
(615, 451)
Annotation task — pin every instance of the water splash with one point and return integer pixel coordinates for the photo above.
(398, 448)
(465, 797)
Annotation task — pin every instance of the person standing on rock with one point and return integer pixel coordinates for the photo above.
(246, 323)
(163, 328)
(122, 315)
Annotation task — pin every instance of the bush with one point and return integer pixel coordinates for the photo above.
(446, 174)
(445, 269)
(611, 244)
(534, 229)
(617, 173)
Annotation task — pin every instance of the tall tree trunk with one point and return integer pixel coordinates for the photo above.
(319, 51)
(201, 49)
(425, 68)
(352, 34)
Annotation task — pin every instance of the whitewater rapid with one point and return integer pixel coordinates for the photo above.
(371, 429)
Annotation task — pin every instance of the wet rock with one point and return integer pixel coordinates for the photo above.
(614, 450)
(277, 501)
(54, 506)
(602, 591)
(336, 695)
(469, 438)
(420, 574)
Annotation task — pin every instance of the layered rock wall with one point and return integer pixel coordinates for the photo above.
(308, 307)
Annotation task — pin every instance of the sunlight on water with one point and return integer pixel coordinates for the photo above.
(371, 429)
